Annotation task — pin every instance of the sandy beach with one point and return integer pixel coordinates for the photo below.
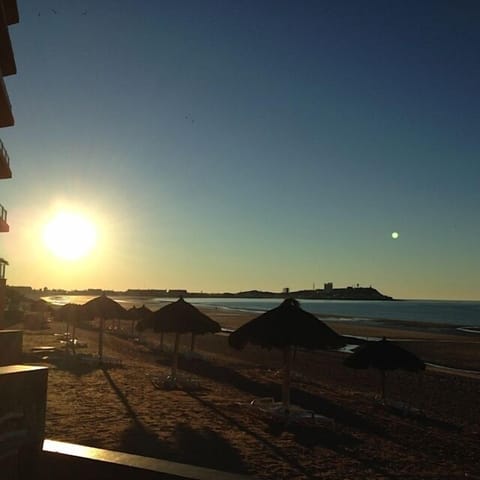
(210, 421)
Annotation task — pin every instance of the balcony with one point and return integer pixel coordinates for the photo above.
(7, 59)
(3, 264)
(5, 171)
(11, 11)
(6, 116)
(3, 221)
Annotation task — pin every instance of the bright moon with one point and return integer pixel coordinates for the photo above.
(69, 236)
(395, 235)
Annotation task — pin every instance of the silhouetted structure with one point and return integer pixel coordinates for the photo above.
(384, 355)
(103, 308)
(284, 327)
(8, 16)
(182, 317)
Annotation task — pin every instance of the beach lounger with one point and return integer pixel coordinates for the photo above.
(403, 408)
(43, 349)
(294, 416)
(46, 352)
(189, 355)
(95, 360)
(170, 383)
(74, 343)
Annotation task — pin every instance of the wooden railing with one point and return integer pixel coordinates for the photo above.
(4, 153)
(3, 213)
(3, 263)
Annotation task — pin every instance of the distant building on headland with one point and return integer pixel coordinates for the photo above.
(150, 292)
(21, 289)
(177, 293)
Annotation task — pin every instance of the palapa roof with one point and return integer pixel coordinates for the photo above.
(143, 315)
(182, 317)
(104, 307)
(139, 313)
(71, 313)
(286, 325)
(384, 355)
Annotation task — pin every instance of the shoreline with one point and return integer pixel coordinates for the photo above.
(125, 301)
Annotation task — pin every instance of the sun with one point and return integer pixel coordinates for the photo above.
(70, 236)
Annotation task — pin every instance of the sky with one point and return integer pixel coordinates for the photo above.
(248, 144)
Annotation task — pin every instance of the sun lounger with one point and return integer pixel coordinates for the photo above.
(294, 416)
(63, 336)
(404, 408)
(173, 383)
(74, 343)
(46, 352)
(192, 355)
(43, 349)
(95, 360)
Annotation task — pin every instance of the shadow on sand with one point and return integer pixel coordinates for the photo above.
(66, 362)
(205, 368)
(234, 423)
(202, 447)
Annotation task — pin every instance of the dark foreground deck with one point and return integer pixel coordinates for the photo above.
(65, 460)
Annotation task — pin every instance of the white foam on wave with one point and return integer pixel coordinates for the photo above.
(469, 330)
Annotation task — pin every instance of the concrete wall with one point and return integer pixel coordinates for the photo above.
(11, 345)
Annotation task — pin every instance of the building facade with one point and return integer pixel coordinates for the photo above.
(8, 17)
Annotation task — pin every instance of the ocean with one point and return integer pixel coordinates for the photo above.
(445, 312)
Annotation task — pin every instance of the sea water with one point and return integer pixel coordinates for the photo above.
(446, 312)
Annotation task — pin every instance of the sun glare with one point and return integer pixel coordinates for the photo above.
(69, 236)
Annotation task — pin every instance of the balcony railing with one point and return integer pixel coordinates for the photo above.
(6, 116)
(11, 11)
(3, 220)
(3, 264)
(7, 58)
(5, 171)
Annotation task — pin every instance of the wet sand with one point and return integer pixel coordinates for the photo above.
(210, 421)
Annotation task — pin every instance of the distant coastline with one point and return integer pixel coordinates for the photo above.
(329, 293)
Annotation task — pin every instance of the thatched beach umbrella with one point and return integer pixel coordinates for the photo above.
(40, 305)
(68, 313)
(103, 308)
(142, 316)
(384, 355)
(72, 314)
(182, 317)
(284, 327)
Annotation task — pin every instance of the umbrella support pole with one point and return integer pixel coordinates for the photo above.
(100, 339)
(287, 365)
(74, 332)
(383, 384)
(175, 357)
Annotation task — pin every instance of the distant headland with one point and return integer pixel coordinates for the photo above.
(326, 293)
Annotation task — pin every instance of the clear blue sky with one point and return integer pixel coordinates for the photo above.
(229, 145)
